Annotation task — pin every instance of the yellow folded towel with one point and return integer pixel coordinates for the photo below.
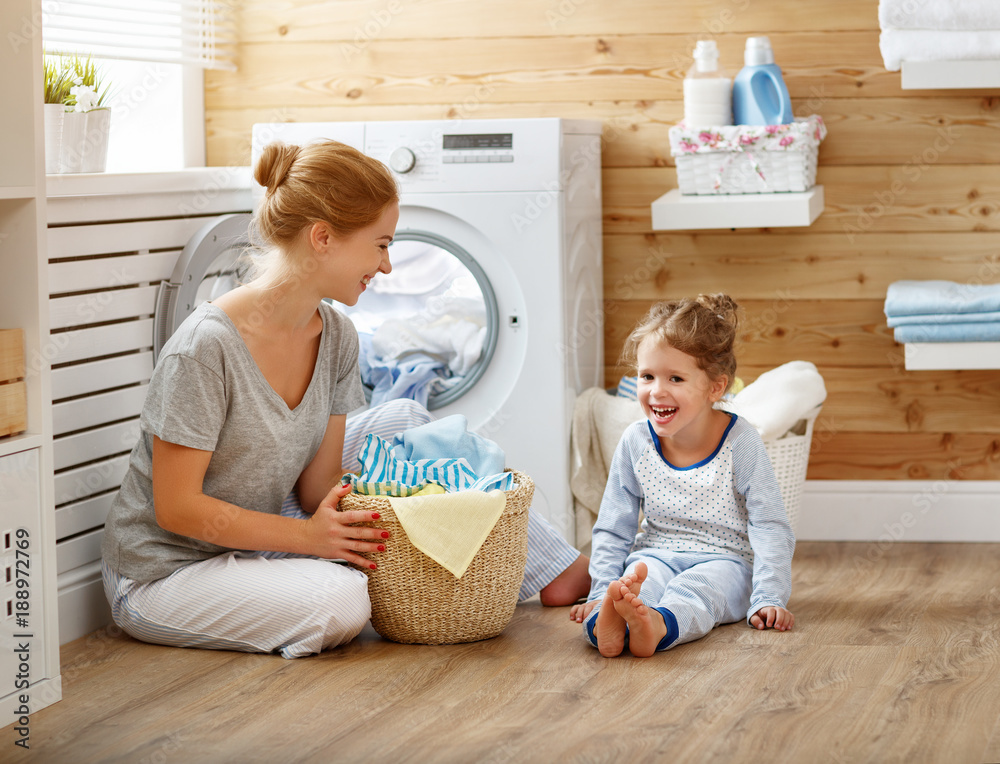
(450, 528)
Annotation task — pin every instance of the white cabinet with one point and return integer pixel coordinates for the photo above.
(27, 514)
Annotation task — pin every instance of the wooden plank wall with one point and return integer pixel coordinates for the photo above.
(912, 178)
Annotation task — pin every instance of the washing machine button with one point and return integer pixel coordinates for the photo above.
(402, 160)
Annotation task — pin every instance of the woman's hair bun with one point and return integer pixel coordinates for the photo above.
(274, 164)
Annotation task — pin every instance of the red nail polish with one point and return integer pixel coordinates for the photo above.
(385, 534)
(376, 516)
(373, 566)
(381, 547)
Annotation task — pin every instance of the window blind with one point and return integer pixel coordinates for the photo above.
(199, 32)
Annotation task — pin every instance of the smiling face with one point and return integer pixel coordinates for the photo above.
(357, 258)
(675, 394)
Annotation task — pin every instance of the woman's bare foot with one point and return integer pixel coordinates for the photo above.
(569, 586)
(646, 627)
(580, 611)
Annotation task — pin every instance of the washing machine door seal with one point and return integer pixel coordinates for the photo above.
(177, 298)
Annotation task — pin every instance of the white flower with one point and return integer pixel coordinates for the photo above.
(86, 98)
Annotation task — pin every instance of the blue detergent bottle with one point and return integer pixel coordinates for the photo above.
(760, 96)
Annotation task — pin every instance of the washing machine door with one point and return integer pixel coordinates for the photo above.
(213, 262)
(428, 328)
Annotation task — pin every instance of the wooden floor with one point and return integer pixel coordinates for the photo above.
(895, 656)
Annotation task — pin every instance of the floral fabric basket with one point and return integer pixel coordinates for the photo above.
(747, 159)
(417, 601)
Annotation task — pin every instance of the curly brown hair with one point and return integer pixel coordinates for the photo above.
(704, 327)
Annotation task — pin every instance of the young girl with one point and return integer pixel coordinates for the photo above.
(224, 528)
(714, 545)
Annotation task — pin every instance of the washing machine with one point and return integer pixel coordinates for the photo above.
(497, 262)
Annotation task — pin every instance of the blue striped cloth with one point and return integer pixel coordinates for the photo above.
(379, 465)
(627, 388)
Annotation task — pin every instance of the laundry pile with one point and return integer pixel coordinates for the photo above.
(938, 30)
(943, 311)
(422, 327)
(447, 487)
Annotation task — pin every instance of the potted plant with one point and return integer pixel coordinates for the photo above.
(57, 84)
(85, 118)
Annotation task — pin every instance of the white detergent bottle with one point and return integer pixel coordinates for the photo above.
(707, 89)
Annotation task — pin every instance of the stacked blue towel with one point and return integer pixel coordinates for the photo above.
(943, 311)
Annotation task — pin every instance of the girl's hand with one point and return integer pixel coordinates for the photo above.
(772, 617)
(580, 612)
(332, 534)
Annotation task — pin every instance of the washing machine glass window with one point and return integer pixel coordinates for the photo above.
(428, 329)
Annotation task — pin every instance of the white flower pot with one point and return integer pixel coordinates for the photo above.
(53, 135)
(84, 141)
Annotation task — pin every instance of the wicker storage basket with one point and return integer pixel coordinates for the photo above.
(747, 160)
(790, 457)
(417, 601)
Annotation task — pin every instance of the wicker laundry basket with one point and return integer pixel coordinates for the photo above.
(790, 457)
(417, 601)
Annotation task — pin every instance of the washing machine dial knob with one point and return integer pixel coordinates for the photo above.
(402, 160)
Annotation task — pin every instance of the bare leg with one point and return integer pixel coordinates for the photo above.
(645, 625)
(569, 586)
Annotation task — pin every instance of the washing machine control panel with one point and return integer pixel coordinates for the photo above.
(467, 155)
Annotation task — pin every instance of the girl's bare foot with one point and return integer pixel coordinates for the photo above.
(646, 627)
(609, 628)
(569, 586)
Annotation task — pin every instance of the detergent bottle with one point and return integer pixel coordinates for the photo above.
(707, 89)
(760, 96)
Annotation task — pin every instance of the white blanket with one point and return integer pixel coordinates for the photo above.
(898, 45)
(939, 14)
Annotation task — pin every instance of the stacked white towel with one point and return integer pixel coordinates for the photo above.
(938, 30)
(943, 311)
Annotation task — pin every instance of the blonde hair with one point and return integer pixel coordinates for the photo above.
(323, 182)
(704, 327)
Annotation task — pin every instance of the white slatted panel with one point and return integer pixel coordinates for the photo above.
(79, 550)
(94, 307)
(82, 378)
(96, 410)
(105, 266)
(97, 477)
(84, 515)
(78, 275)
(96, 444)
(103, 239)
(102, 340)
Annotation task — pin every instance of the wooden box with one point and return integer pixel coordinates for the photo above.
(13, 398)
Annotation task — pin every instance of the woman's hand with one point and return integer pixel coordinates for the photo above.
(333, 535)
(772, 617)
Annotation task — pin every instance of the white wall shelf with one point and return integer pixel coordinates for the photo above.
(949, 75)
(924, 356)
(675, 211)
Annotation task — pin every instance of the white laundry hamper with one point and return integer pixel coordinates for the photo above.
(790, 457)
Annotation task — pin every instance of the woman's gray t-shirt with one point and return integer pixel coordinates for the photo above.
(207, 392)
